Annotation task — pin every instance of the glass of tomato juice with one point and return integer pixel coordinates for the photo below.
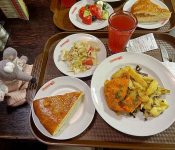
(122, 24)
(68, 3)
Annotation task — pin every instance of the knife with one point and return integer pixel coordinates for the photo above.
(164, 53)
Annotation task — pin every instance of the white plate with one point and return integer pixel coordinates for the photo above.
(67, 43)
(127, 124)
(81, 118)
(76, 20)
(151, 25)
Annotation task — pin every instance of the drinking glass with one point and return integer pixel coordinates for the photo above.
(67, 3)
(122, 24)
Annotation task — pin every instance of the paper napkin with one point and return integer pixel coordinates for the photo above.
(170, 66)
(142, 44)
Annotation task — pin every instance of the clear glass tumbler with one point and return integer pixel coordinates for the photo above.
(67, 3)
(122, 24)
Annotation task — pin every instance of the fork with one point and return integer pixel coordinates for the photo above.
(31, 91)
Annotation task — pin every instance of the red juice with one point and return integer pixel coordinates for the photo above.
(68, 3)
(121, 27)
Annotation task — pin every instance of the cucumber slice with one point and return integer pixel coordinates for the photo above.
(105, 14)
(86, 13)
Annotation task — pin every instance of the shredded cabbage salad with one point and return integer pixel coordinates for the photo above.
(82, 56)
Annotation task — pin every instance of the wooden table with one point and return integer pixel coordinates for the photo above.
(28, 38)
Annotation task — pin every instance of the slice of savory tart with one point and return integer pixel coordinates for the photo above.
(146, 11)
(55, 111)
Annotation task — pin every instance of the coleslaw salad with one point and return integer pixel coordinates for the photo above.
(82, 56)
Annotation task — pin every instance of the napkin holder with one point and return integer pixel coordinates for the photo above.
(15, 75)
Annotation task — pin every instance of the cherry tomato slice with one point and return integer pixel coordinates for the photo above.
(87, 20)
(88, 61)
(99, 13)
(81, 12)
(93, 9)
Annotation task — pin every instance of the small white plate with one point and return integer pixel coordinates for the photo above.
(127, 124)
(76, 20)
(151, 25)
(81, 118)
(67, 43)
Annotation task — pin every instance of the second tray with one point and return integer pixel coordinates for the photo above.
(62, 21)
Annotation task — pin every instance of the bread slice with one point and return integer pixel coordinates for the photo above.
(146, 11)
(55, 111)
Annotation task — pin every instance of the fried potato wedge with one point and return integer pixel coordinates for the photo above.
(152, 87)
(137, 77)
(120, 72)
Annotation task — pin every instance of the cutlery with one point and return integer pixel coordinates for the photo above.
(164, 54)
(167, 62)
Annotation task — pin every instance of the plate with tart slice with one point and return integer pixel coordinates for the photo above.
(151, 14)
(62, 108)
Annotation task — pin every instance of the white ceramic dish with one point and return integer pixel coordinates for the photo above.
(127, 124)
(67, 43)
(151, 25)
(81, 118)
(76, 20)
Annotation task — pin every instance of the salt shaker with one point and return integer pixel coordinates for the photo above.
(3, 37)
(2, 45)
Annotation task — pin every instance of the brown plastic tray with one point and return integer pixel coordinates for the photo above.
(62, 21)
(36, 72)
(99, 133)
